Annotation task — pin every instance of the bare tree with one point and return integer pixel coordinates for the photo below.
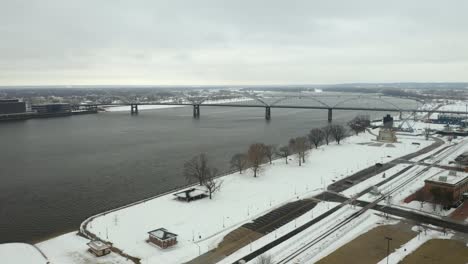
(284, 152)
(211, 184)
(197, 168)
(327, 133)
(264, 259)
(255, 156)
(316, 136)
(359, 123)
(299, 147)
(270, 151)
(338, 132)
(239, 161)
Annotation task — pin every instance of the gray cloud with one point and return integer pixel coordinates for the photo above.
(231, 42)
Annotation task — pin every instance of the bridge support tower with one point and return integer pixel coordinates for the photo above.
(267, 113)
(330, 115)
(134, 109)
(196, 111)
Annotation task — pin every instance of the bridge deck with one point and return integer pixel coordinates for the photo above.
(293, 107)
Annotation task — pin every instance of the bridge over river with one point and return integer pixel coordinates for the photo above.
(327, 102)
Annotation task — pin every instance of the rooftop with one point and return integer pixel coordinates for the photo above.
(451, 177)
(98, 245)
(162, 233)
(190, 193)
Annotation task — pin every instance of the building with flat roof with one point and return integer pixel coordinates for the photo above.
(452, 183)
(51, 108)
(12, 106)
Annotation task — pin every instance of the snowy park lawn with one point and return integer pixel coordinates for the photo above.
(373, 181)
(72, 249)
(20, 253)
(202, 224)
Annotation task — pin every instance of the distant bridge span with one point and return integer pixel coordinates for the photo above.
(197, 105)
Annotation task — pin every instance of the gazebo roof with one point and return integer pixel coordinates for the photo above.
(98, 245)
(162, 234)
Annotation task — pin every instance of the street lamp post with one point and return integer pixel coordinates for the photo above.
(388, 247)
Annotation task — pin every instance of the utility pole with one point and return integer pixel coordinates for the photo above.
(388, 247)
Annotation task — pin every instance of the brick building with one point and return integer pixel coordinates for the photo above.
(455, 184)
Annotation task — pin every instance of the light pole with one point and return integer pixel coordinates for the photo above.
(388, 247)
(199, 250)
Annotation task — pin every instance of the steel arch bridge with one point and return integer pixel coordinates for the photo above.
(321, 102)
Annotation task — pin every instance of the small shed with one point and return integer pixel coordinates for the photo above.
(99, 248)
(162, 238)
(190, 194)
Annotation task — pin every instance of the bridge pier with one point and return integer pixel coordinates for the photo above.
(196, 111)
(267, 113)
(401, 116)
(134, 109)
(330, 115)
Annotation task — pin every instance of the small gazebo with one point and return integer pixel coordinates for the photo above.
(162, 238)
(99, 248)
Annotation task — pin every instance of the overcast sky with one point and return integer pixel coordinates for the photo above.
(196, 42)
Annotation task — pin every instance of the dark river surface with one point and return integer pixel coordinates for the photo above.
(56, 172)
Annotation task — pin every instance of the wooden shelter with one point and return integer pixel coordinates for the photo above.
(98, 248)
(162, 238)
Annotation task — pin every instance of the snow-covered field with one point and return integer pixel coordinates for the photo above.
(345, 234)
(202, 224)
(353, 190)
(72, 249)
(20, 253)
(321, 207)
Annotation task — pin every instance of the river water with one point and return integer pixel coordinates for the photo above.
(56, 172)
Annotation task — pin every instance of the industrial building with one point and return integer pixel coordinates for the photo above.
(51, 108)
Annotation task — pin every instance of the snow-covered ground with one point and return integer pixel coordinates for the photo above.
(461, 106)
(324, 247)
(20, 253)
(353, 190)
(241, 199)
(321, 207)
(72, 249)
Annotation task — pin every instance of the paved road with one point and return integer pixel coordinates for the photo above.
(367, 173)
(339, 186)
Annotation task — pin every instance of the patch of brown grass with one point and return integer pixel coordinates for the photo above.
(371, 247)
(439, 251)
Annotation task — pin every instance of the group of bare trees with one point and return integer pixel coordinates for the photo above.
(326, 134)
(199, 169)
(256, 155)
(299, 147)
